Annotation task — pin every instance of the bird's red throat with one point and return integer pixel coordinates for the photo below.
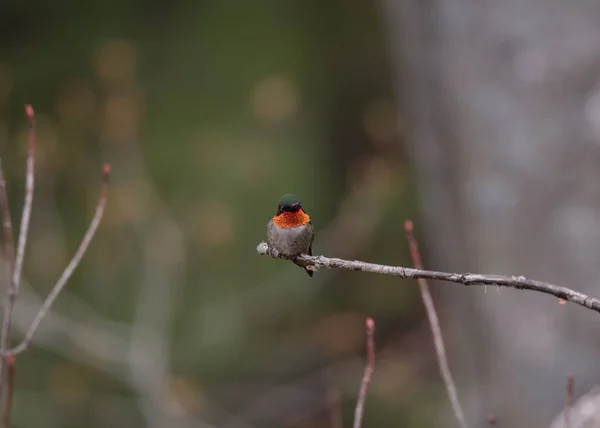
(288, 219)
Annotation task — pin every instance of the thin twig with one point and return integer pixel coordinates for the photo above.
(434, 323)
(13, 288)
(569, 402)
(9, 252)
(364, 386)
(68, 270)
(29, 186)
(17, 267)
(11, 362)
(517, 282)
(7, 231)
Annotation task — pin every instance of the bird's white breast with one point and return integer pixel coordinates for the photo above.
(290, 240)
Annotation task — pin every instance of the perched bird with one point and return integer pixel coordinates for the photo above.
(291, 232)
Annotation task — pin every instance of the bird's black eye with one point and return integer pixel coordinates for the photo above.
(288, 208)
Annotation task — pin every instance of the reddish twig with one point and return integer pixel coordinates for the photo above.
(9, 251)
(364, 386)
(11, 362)
(434, 323)
(7, 231)
(26, 217)
(492, 421)
(62, 281)
(569, 401)
(17, 267)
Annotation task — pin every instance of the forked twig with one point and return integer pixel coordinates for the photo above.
(62, 281)
(16, 264)
(364, 386)
(434, 323)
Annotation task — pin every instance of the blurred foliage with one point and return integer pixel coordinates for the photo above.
(208, 111)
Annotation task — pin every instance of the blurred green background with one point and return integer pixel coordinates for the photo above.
(208, 111)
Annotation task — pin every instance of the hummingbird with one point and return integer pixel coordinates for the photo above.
(290, 231)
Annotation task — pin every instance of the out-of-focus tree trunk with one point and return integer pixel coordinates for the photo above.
(501, 108)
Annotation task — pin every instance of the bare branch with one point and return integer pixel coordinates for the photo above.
(68, 270)
(7, 231)
(16, 265)
(438, 339)
(583, 413)
(569, 403)
(13, 288)
(25, 218)
(9, 251)
(517, 282)
(364, 386)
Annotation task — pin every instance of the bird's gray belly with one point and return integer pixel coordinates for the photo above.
(291, 241)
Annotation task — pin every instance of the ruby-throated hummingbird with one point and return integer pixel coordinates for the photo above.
(291, 232)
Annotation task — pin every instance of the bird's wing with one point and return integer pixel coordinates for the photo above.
(312, 238)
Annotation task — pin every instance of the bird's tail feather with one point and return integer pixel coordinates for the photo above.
(308, 271)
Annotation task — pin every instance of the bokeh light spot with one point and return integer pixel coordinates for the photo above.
(116, 60)
(275, 98)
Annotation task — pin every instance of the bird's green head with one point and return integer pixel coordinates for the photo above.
(288, 203)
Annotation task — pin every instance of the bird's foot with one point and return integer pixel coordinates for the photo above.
(309, 267)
